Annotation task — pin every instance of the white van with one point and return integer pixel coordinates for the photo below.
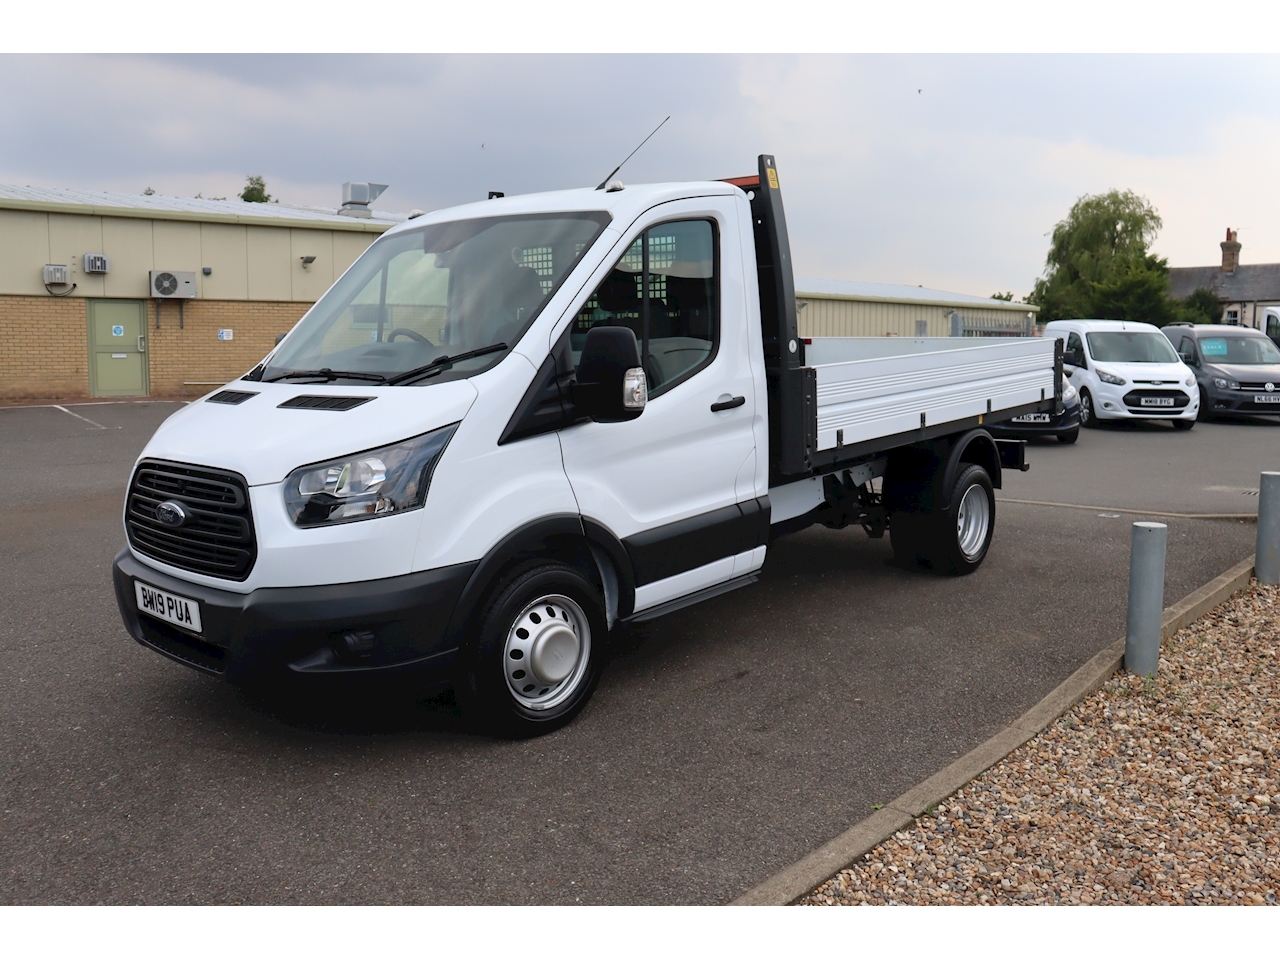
(1126, 371)
(512, 425)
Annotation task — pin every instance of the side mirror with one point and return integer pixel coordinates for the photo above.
(611, 385)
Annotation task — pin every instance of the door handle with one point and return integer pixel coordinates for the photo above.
(141, 346)
(727, 404)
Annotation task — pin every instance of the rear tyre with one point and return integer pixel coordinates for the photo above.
(1183, 424)
(1070, 436)
(535, 660)
(961, 535)
(1088, 418)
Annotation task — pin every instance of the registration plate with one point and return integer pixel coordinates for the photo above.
(1157, 401)
(1267, 398)
(1031, 418)
(180, 611)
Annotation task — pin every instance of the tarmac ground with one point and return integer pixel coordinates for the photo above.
(724, 742)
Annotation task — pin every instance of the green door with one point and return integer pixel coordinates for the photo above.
(118, 348)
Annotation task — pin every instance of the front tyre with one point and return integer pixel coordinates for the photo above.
(535, 660)
(1183, 424)
(1071, 436)
(1088, 417)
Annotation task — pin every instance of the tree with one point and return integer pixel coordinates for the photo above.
(1099, 264)
(1201, 306)
(1007, 296)
(255, 190)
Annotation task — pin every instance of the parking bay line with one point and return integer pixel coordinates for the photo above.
(58, 406)
(1251, 517)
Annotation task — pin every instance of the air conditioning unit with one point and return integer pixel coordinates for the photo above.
(173, 284)
(56, 273)
(97, 263)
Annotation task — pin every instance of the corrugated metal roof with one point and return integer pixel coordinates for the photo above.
(900, 293)
(157, 206)
(1253, 281)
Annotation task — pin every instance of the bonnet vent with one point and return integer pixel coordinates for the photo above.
(325, 403)
(231, 396)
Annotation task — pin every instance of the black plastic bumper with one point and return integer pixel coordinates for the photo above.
(1227, 404)
(401, 622)
(1063, 422)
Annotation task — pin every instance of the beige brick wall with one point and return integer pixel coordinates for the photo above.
(44, 344)
(182, 357)
(44, 347)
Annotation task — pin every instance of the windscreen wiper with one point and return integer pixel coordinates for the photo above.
(328, 375)
(440, 364)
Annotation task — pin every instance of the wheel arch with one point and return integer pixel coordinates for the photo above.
(919, 478)
(583, 544)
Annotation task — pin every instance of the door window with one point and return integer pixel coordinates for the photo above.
(1074, 353)
(666, 289)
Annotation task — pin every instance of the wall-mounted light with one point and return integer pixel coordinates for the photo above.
(207, 271)
(307, 261)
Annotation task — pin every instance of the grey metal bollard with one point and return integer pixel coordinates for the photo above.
(1266, 561)
(1146, 598)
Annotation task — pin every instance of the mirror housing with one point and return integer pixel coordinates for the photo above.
(611, 385)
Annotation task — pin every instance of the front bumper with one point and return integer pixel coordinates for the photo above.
(300, 630)
(1064, 422)
(1114, 402)
(1243, 403)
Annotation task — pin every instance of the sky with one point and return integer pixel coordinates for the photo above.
(947, 171)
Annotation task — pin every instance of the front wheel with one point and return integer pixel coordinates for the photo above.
(1205, 412)
(1088, 418)
(1183, 424)
(1070, 436)
(535, 659)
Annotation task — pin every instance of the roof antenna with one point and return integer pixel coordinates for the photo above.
(605, 182)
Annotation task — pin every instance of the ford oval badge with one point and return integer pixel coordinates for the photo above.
(171, 513)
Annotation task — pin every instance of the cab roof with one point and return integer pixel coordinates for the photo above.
(1102, 325)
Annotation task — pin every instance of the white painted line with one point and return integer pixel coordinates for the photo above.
(76, 415)
(1137, 513)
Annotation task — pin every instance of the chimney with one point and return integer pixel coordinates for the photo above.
(1230, 252)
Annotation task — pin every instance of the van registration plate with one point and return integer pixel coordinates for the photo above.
(1157, 401)
(1267, 398)
(1031, 418)
(180, 611)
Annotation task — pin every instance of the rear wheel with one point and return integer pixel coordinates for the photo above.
(535, 659)
(954, 540)
(1088, 418)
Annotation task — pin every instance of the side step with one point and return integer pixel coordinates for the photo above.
(679, 603)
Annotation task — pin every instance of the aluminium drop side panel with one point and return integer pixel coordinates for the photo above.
(884, 396)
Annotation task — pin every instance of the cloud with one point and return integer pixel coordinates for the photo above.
(946, 171)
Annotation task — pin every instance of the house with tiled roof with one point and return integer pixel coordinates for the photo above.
(1244, 290)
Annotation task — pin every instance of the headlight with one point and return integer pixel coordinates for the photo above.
(1111, 378)
(365, 485)
(1190, 381)
(1222, 383)
(1068, 391)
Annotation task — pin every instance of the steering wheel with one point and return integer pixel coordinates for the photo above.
(413, 334)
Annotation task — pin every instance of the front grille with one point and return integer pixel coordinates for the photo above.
(195, 651)
(1133, 400)
(1260, 385)
(217, 539)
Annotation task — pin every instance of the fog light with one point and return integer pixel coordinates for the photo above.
(1107, 405)
(358, 642)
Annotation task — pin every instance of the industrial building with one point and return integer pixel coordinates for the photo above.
(120, 295)
(117, 295)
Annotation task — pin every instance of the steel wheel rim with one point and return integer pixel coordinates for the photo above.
(545, 657)
(973, 521)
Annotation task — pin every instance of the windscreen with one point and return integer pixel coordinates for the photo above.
(424, 296)
(1246, 351)
(1130, 346)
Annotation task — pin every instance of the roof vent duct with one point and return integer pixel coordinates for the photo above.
(356, 198)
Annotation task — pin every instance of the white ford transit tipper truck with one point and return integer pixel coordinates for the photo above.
(511, 426)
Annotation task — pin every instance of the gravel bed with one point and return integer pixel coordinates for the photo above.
(1148, 791)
